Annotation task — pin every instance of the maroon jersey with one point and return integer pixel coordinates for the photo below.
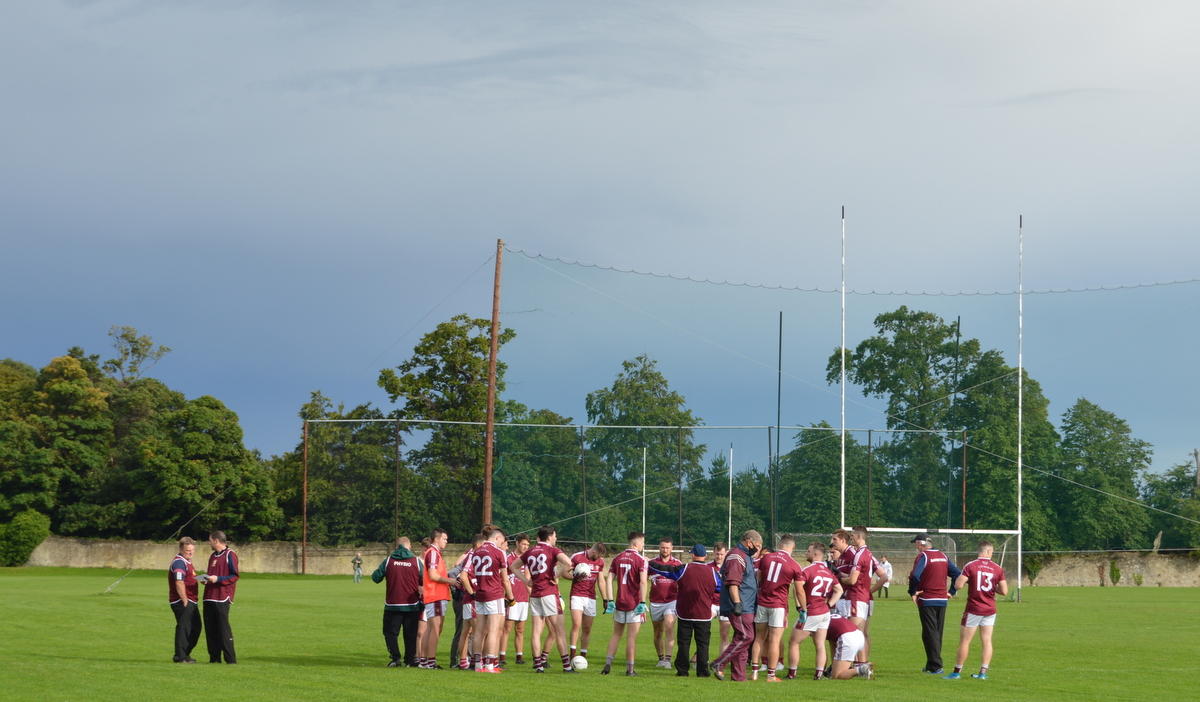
(628, 566)
(181, 570)
(931, 569)
(542, 562)
(662, 589)
(697, 583)
(838, 627)
(468, 598)
(520, 591)
(776, 572)
(487, 572)
(224, 565)
(817, 580)
(863, 562)
(405, 581)
(982, 577)
(586, 586)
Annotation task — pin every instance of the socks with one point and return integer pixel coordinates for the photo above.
(582, 652)
(521, 657)
(566, 661)
(958, 668)
(572, 651)
(667, 658)
(628, 666)
(463, 663)
(608, 661)
(983, 670)
(503, 656)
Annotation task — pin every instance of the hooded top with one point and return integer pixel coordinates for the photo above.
(404, 575)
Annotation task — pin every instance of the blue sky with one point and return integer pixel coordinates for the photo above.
(278, 190)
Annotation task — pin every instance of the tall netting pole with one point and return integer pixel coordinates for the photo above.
(679, 450)
(842, 500)
(729, 527)
(778, 422)
(396, 504)
(490, 432)
(304, 499)
(583, 471)
(1020, 397)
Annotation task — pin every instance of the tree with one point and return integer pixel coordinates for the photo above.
(641, 396)
(1099, 451)
(810, 483)
(537, 477)
(447, 379)
(135, 354)
(914, 362)
(1174, 491)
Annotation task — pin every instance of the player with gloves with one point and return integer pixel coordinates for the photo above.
(629, 573)
(739, 599)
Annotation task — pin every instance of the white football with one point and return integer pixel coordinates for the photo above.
(579, 663)
(583, 570)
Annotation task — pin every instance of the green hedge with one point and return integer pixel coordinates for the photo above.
(19, 537)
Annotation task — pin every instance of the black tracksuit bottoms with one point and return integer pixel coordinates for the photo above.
(187, 629)
(217, 632)
(392, 623)
(685, 630)
(933, 621)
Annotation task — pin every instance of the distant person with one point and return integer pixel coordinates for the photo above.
(356, 563)
(983, 579)
(927, 587)
(220, 584)
(402, 605)
(887, 568)
(182, 594)
(693, 605)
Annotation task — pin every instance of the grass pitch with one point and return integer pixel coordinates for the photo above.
(318, 638)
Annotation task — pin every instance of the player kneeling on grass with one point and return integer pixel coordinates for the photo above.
(983, 580)
(848, 641)
(629, 572)
(587, 572)
(817, 591)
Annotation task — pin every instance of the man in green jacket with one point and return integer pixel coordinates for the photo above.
(402, 603)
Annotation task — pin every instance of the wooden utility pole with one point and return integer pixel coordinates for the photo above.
(1196, 455)
(490, 433)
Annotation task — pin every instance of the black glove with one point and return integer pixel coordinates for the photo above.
(737, 609)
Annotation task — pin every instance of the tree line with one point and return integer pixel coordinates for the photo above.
(105, 451)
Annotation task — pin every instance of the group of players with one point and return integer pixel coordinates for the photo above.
(502, 588)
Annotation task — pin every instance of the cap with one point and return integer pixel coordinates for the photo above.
(922, 537)
(699, 550)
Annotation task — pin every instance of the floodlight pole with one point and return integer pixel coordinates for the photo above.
(842, 523)
(1020, 398)
(490, 432)
(304, 528)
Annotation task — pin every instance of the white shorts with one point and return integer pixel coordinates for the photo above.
(842, 608)
(848, 646)
(658, 610)
(435, 609)
(483, 609)
(862, 610)
(814, 622)
(620, 617)
(468, 611)
(716, 610)
(978, 619)
(587, 605)
(519, 612)
(548, 606)
(774, 617)
(723, 618)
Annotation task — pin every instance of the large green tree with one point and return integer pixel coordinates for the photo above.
(1100, 451)
(810, 483)
(447, 379)
(640, 396)
(1174, 491)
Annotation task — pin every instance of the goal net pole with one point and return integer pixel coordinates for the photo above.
(1020, 393)
(842, 516)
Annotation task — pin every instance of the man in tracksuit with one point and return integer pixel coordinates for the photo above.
(402, 604)
(697, 583)
(739, 600)
(220, 584)
(927, 585)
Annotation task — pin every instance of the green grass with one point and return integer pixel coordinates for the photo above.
(318, 638)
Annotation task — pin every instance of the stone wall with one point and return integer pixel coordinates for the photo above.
(258, 557)
(1152, 570)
